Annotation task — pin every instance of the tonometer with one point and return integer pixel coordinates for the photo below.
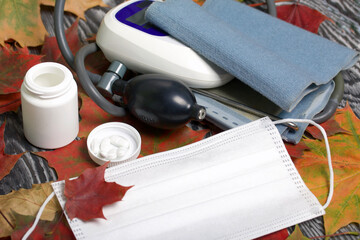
(161, 96)
(162, 100)
(124, 35)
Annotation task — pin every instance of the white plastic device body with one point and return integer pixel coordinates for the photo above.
(125, 36)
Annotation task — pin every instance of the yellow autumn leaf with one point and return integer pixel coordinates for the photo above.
(26, 202)
(297, 235)
(313, 167)
(20, 20)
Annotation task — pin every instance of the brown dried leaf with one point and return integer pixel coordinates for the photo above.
(77, 7)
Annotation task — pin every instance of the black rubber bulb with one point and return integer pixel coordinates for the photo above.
(159, 101)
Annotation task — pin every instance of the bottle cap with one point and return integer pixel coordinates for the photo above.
(115, 142)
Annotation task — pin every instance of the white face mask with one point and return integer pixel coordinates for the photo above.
(239, 184)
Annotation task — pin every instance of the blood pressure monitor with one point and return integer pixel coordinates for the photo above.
(125, 35)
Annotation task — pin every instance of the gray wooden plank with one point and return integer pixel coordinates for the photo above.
(31, 169)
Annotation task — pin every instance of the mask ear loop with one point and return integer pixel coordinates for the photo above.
(331, 171)
(38, 215)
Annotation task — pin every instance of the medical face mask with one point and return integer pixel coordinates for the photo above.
(238, 184)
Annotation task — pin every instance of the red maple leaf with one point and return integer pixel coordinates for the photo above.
(95, 62)
(301, 16)
(13, 67)
(279, 235)
(10, 102)
(330, 126)
(51, 50)
(87, 194)
(69, 161)
(92, 115)
(7, 162)
(296, 151)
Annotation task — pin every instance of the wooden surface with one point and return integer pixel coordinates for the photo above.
(31, 169)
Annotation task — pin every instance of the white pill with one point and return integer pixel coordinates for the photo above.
(112, 147)
(95, 146)
(111, 154)
(121, 152)
(119, 141)
(107, 150)
(105, 145)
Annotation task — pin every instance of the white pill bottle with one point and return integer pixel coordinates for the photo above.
(49, 103)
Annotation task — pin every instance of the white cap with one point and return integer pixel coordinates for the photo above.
(103, 133)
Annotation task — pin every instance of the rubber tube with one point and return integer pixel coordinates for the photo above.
(333, 102)
(62, 42)
(271, 7)
(60, 33)
(88, 85)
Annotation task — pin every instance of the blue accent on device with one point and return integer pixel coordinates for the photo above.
(133, 15)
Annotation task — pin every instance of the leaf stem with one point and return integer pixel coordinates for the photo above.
(337, 234)
(13, 227)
